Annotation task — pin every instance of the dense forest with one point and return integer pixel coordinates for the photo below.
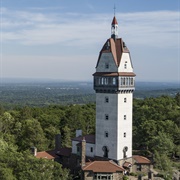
(156, 134)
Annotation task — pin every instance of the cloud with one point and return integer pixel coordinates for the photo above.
(159, 28)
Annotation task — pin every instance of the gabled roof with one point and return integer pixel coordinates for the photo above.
(116, 47)
(47, 154)
(114, 21)
(90, 138)
(141, 160)
(127, 164)
(102, 166)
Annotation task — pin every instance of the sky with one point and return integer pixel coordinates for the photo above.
(61, 39)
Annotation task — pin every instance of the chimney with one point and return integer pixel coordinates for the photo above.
(34, 151)
(78, 132)
(83, 153)
(57, 141)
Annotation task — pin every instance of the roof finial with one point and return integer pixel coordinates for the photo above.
(114, 9)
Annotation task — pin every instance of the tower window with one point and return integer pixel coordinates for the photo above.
(124, 134)
(125, 100)
(106, 99)
(131, 81)
(106, 134)
(125, 66)
(114, 81)
(124, 117)
(106, 116)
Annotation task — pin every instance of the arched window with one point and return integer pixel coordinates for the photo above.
(106, 150)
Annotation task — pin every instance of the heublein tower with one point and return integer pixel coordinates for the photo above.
(114, 86)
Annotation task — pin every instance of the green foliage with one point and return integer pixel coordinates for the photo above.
(22, 165)
(133, 174)
(155, 130)
(125, 177)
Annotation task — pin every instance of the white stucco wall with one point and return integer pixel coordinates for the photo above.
(124, 126)
(109, 125)
(116, 125)
(88, 148)
(125, 59)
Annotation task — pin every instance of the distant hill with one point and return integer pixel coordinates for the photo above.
(44, 92)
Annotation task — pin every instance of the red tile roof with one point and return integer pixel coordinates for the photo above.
(47, 154)
(141, 159)
(103, 166)
(90, 138)
(114, 21)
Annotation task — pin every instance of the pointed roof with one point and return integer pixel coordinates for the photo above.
(103, 166)
(116, 47)
(114, 21)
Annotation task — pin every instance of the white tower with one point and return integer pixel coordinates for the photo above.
(114, 86)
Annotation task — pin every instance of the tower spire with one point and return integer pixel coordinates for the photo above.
(114, 27)
(114, 10)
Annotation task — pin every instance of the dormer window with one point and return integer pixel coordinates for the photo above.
(107, 66)
(106, 134)
(106, 99)
(106, 116)
(125, 66)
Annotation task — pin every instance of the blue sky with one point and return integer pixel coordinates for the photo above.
(61, 39)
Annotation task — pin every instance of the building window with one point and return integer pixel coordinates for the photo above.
(125, 66)
(78, 149)
(106, 134)
(91, 149)
(138, 167)
(124, 117)
(106, 116)
(106, 66)
(106, 99)
(124, 134)
(125, 100)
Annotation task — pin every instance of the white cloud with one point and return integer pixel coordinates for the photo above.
(159, 28)
(56, 45)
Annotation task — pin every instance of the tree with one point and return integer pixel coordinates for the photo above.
(162, 144)
(32, 135)
(66, 137)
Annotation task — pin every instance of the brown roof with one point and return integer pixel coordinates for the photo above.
(141, 159)
(90, 138)
(103, 166)
(127, 164)
(114, 74)
(64, 151)
(47, 154)
(114, 21)
(116, 47)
